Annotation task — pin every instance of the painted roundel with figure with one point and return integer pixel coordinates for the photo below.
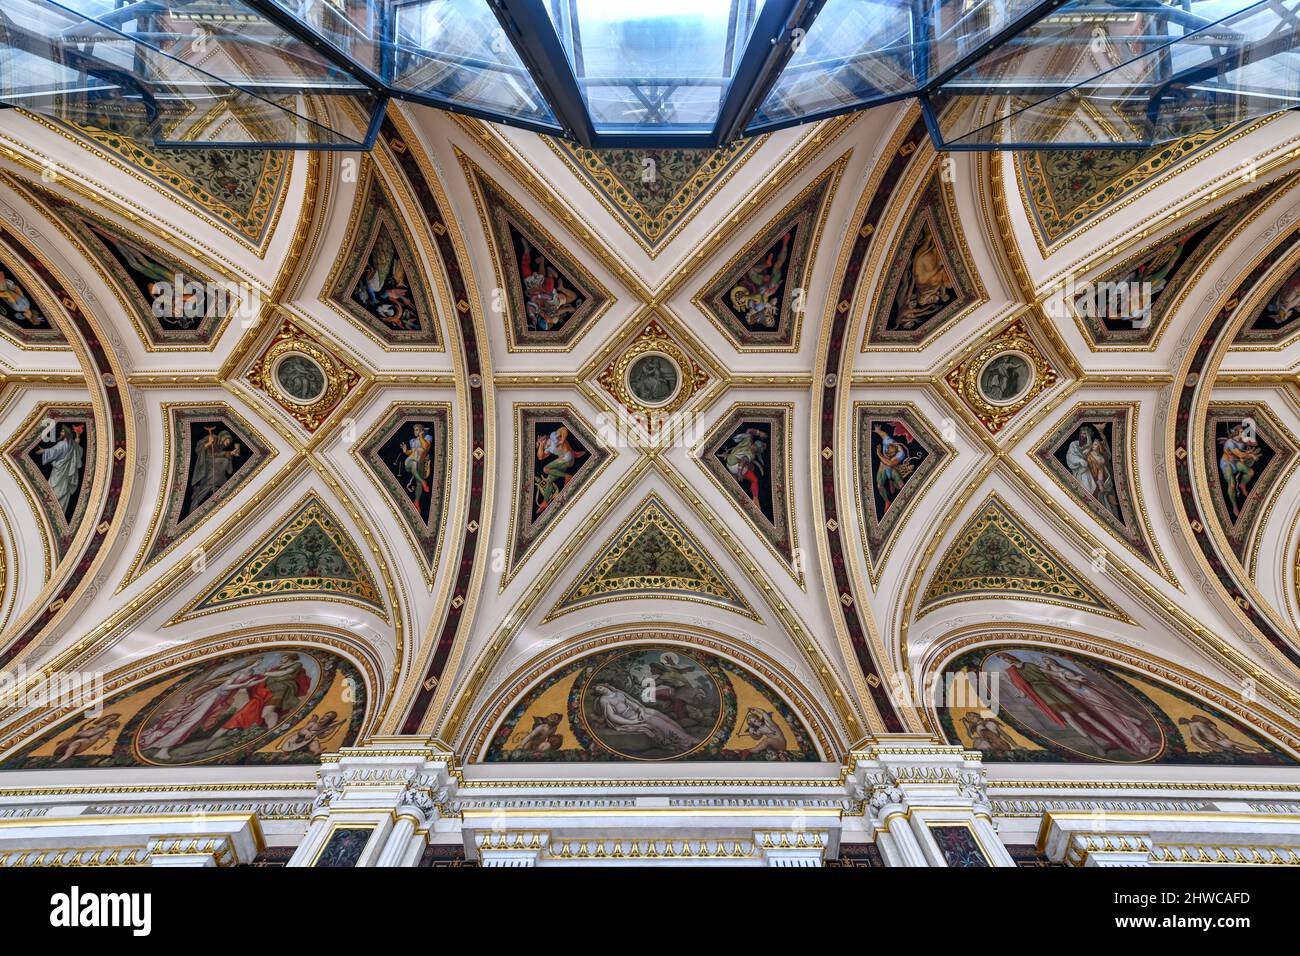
(1006, 378)
(1020, 703)
(653, 379)
(301, 378)
(278, 706)
(654, 703)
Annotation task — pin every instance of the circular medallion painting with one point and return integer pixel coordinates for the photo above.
(651, 704)
(653, 379)
(1006, 378)
(1074, 706)
(227, 706)
(300, 378)
(256, 706)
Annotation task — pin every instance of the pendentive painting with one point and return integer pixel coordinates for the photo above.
(1088, 454)
(929, 280)
(381, 283)
(898, 453)
(407, 455)
(1024, 704)
(557, 455)
(1246, 454)
(56, 456)
(746, 454)
(760, 296)
(175, 304)
(1128, 305)
(1278, 318)
(213, 454)
(278, 706)
(20, 314)
(547, 297)
(653, 703)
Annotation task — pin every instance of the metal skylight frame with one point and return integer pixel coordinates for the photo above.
(553, 89)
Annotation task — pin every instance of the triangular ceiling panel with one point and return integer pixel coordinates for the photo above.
(309, 556)
(1112, 316)
(1248, 452)
(212, 452)
(759, 297)
(1277, 318)
(898, 455)
(653, 192)
(651, 555)
(241, 189)
(929, 281)
(54, 452)
(1066, 188)
(749, 456)
(996, 556)
(408, 456)
(22, 316)
(557, 454)
(379, 281)
(173, 304)
(1091, 455)
(546, 297)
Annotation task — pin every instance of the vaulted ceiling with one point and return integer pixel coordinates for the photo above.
(825, 401)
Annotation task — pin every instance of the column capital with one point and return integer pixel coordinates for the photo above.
(913, 789)
(407, 775)
(890, 772)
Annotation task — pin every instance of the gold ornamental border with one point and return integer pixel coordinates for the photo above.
(964, 378)
(1145, 184)
(340, 378)
(653, 340)
(1107, 609)
(122, 201)
(1180, 222)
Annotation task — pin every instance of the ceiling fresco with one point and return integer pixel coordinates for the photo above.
(504, 428)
